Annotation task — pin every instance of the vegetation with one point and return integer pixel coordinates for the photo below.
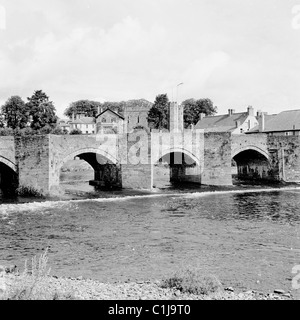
(76, 132)
(158, 114)
(23, 191)
(41, 110)
(15, 113)
(193, 281)
(32, 283)
(193, 108)
(86, 107)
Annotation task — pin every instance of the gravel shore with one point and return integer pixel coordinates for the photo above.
(49, 288)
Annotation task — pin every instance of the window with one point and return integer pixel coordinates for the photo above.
(113, 120)
(87, 126)
(241, 131)
(103, 120)
(87, 132)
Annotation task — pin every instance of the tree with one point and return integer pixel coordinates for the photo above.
(15, 113)
(86, 107)
(4, 132)
(41, 110)
(193, 108)
(159, 113)
(118, 107)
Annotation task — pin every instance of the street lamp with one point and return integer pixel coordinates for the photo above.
(180, 84)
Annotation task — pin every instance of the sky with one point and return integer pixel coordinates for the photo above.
(236, 53)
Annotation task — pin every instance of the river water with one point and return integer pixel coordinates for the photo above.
(249, 238)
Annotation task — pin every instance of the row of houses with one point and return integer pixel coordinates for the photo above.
(107, 120)
(285, 123)
(248, 122)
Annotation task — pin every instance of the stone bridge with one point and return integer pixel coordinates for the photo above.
(129, 160)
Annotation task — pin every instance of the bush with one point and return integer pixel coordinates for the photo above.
(193, 281)
(33, 283)
(75, 131)
(23, 191)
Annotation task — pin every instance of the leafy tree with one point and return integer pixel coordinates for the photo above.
(75, 132)
(193, 108)
(159, 113)
(41, 110)
(86, 107)
(118, 107)
(4, 132)
(15, 113)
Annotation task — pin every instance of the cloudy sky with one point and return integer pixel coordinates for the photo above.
(237, 53)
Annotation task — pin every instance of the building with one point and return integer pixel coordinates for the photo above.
(136, 114)
(109, 121)
(285, 123)
(236, 123)
(87, 125)
(64, 125)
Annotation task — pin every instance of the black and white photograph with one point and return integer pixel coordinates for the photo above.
(149, 152)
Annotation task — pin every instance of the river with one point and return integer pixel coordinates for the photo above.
(248, 238)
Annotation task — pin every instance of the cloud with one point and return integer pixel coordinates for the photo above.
(86, 60)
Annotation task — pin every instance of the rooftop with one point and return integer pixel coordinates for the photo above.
(284, 121)
(84, 120)
(222, 123)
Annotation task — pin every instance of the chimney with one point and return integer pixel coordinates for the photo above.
(261, 121)
(201, 116)
(231, 112)
(237, 123)
(250, 111)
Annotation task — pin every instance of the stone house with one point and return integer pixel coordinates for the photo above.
(236, 123)
(109, 121)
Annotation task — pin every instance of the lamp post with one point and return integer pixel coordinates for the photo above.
(180, 84)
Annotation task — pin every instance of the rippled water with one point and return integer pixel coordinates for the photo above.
(249, 239)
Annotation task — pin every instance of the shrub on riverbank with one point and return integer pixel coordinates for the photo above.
(193, 281)
(28, 192)
(32, 283)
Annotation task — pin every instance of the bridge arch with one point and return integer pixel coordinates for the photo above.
(107, 171)
(252, 164)
(8, 176)
(96, 151)
(9, 163)
(166, 152)
(250, 147)
(174, 166)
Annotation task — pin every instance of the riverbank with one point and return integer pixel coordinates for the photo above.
(54, 288)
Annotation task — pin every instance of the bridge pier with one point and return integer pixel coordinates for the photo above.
(107, 176)
(32, 157)
(217, 159)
